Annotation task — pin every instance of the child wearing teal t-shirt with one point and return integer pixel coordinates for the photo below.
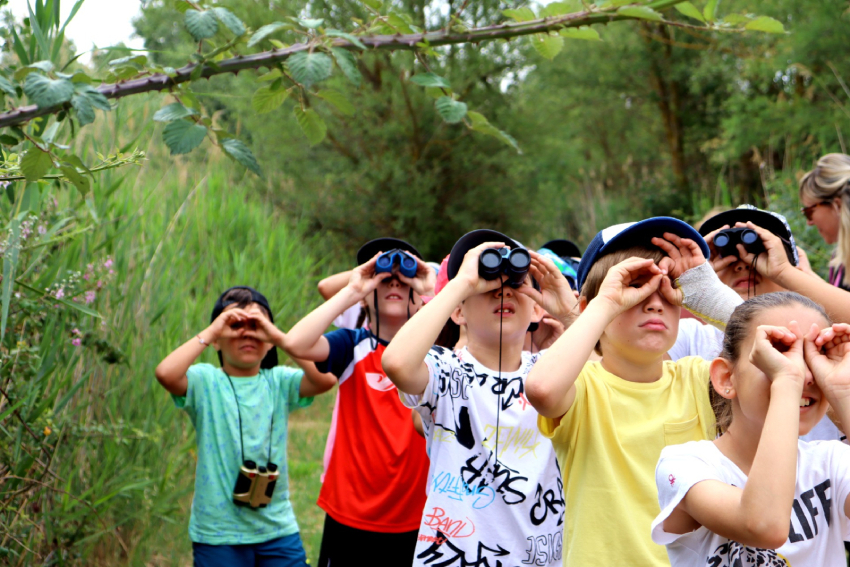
(240, 413)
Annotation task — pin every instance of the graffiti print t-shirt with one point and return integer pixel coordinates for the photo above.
(818, 524)
(375, 476)
(486, 509)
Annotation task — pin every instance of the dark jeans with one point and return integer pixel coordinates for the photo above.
(284, 551)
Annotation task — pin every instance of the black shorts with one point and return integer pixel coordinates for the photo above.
(344, 546)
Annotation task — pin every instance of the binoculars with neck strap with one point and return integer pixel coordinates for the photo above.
(726, 241)
(513, 263)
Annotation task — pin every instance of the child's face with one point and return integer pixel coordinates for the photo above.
(239, 344)
(393, 300)
(645, 331)
(752, 387)
(747, 282)
(483, 312)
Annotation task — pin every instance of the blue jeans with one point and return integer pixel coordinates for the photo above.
(284, 551)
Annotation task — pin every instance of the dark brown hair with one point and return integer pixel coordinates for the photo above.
(739, 328)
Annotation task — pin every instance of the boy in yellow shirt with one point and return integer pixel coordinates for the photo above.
(609, 420)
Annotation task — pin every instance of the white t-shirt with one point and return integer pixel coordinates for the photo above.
(485, 509)
(705, 341)
(348, 318)
(818, 523)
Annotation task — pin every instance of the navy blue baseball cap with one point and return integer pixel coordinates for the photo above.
(631, 234)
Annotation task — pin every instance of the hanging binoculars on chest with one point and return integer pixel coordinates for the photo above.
(255, 485)
(727, 241)
(513, 263)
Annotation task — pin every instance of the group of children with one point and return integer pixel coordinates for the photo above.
(457, 441)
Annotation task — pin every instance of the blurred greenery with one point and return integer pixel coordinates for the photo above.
(648, 121)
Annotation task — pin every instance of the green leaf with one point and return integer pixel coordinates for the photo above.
(339, 100)
(374, 4)
(7, 87)
(451, 110)
(45, 66)
(689, 10)
(435, 92)
(765, 24)
(271, 75)
(548, 46)
(311, 124)
(200, 24)
(132, 59)
(237, 150)
(481, 124)
(8, 140)
(640, 12)
(561, 8)
(400, 23)
(10, 263)
(182, 136)
(584, 32)
(347, 63)
(266, 99)
(230, 21)
(35, 164)
(352, 38)
(607, 4)
(85, 100)
(80, 181)
(172, 112)
(430, 80)
(710, 10)
(264, 32)
(524, 14)
(46, 92)
(735, 19)
(309, 68)
(85, 112)
(308, 23)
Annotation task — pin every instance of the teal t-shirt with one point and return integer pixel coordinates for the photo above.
(209, 401)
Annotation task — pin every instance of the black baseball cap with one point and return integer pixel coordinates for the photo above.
(384, 244)
(472, 239)
(563, 248)
(271, 359)
(768, 220)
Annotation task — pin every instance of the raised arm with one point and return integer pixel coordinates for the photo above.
(758, 515)
(171, 372)
(306, 339)
(550, 386)
(404, 358)
(332, 285)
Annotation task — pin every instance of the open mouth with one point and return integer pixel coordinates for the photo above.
(505, 310)
(747, 282)
(806, 402)
(394, 297)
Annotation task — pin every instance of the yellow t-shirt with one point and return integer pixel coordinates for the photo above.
(608, 444)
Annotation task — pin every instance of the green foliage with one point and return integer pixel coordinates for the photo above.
(451, 110)
(311, 124)
(46, 92)
(183, 136)
(309, 68)
(35, 164)
(268, 98)
(172, 112)
(430, 80)
(237, 150)
(201, 24)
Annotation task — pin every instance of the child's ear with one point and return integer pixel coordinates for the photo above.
(582, 303)
(721, 378)
(457, 316)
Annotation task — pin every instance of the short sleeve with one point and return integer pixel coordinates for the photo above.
(561, 433)
(840, 471)
(349, 317)
(197, 376)
(341, 351)
(289, 385)
(439, 361)
(679, 469)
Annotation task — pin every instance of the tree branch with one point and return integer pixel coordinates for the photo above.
(269, 59)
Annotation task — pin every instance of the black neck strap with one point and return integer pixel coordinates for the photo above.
(239, 415)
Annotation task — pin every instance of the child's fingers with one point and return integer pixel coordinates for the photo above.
(671, 294)
(529, 291)
(667, 246)
(826, 335)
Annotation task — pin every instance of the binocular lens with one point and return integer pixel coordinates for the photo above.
(491, 259)
(721, 240)
(749, 237)
(520, 259)
(408, 263)
(384, 262)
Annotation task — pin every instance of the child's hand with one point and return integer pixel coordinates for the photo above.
(778, 352)
(555, 295)
(424, 280)
(548, 332)
(468, 272)
(828, 356)
(630, 282)
(772, 263)
(223, 323)
(363, 278)
(263, 328)
(718, 262)
(683, 254)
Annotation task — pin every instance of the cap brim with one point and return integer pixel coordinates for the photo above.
(385, 244)
(563, 248)
(471, 240)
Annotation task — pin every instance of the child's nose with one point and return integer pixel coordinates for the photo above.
(655, 302)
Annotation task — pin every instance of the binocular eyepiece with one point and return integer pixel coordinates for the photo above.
(513, 263)
(255, 485)
(406, 262)
(726, 241)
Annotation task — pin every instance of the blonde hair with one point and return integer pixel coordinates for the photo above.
(830, 180)
(599, 269)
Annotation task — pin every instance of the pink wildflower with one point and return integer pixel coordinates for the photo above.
(90, 295)
(77, 342)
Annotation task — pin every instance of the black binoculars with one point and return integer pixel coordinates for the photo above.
(726, 241)
(513, 263)
(406, 262)
(255, 485)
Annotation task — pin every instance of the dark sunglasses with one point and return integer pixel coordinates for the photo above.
(810, 210)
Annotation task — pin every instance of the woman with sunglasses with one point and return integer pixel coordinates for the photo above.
(825, 196)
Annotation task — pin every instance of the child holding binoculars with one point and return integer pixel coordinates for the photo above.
(241, 513)
(374, 486)
(495, 494)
